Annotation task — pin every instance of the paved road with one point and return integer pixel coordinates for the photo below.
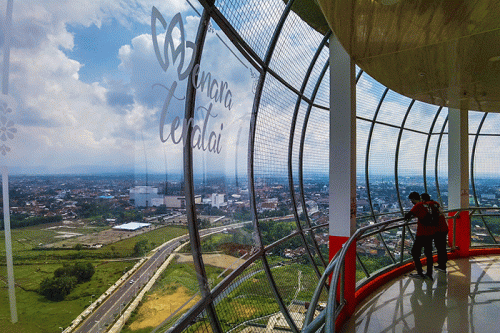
(105, 314)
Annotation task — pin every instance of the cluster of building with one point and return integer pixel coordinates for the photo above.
(65, 195)
(148, 196)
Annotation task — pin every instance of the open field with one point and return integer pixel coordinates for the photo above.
(32, 265)
(37, 314)
(217, 260)
(26, 241)
(37, 236)
(98, 239)
(155, 237)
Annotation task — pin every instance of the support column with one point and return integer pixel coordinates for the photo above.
(5, 182)
(458, 177)
(342, 198)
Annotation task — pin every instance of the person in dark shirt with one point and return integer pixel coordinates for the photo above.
(440, 237)
(423, 238)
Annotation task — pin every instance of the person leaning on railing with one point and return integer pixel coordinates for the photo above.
(423, 238)
(440, 237)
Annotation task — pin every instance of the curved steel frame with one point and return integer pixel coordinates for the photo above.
(398, 144)
(301, 161)
(473, 183)
(473, 155)
(206, 307)
(436, 161)
(367, 154)
(263, 67)
(290, 153)
(189, 183)
(367, 164)
(426, 151)
(258, 94)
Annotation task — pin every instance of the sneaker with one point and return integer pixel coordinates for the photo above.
(417, 275)
(439, 269)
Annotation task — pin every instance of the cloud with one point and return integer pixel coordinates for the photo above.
(32, 117)
(119, 98)
(28, 34)
(119, 95)
(63, 121)
(150, 84)
(138, 60)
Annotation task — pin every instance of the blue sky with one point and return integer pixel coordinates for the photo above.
(97, 48)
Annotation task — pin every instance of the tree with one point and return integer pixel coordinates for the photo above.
(65, 279)
(203, 223)
(66, 270)
(57, 288)
(83, 271)
(140, 247)
(132, 215)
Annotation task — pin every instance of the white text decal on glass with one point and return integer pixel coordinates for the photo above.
(218, 92)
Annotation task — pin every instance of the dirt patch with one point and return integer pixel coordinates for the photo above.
(158, 307)
(217, 260)
(95, 239)
(109, 236)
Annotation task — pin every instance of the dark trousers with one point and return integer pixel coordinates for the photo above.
(440, 244)
(424, 242)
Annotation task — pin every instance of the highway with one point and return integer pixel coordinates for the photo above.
(104, 315)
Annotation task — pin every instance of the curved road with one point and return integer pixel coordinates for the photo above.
(103, 316)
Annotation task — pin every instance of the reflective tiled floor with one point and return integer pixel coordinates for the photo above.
(464, 299)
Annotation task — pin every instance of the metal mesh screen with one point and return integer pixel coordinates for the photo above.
(393, 110)
(323, 94)
(247, 301)
(297, 137)
(255, 20)
(294, 50)
(273, 130)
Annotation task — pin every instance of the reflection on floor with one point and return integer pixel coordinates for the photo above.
(464, 299)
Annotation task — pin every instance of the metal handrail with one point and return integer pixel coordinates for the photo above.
(326, 319)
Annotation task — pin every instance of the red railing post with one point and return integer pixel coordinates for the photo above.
(462, 233)
(349, 282)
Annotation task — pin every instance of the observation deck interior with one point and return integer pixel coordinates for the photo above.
(464, 299)
(252, 140)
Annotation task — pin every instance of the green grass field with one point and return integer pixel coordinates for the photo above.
(31, 266)
(37, 314)
(25, 239)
